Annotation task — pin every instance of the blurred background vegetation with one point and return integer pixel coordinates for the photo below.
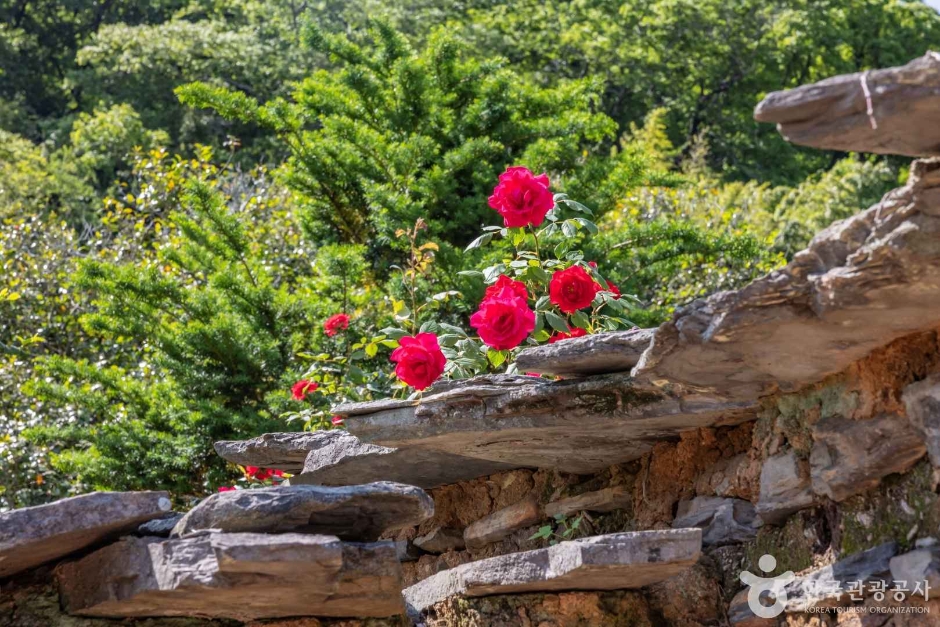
(188, 188)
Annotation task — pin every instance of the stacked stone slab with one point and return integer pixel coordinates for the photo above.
(245, 554)
(619, 561)
(340, 458)
(33, 536)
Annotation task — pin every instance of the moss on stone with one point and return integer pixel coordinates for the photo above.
(790, 545)
(793, 415)
(569, 609)
(903, 508)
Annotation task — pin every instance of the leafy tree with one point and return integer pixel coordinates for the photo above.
(395, 135)
(708, 62)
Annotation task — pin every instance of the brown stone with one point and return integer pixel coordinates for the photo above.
(440, 540)
(606, 500)
(834, 114)
(503, 522)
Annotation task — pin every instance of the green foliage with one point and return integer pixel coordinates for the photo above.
(395, 134)
(153, 299)
(708, 62)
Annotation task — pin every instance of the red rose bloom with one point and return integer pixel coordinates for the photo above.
(336, 323)
(420, 360)
(303, 387)
(521, 197)
(575, 332)
(504, 319)
(503, 282)
(254, 472)
(572, 289)
(338, 420)
(226, 488)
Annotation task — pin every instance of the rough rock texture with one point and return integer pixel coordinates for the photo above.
(921, 564)
(609, 562)
(606, 500)
(592, 354)
(831, 584)
(440, 540)
(861, 283)
(241, 576)
(922, 401)
(852, 456)
(353, 513)
(578, 426)
(723, 521)
(501, 523)
(347, 461)
(828, 586)
(34, 535)
(284, 451)
(621, 608)
(32, 600)
(899, 115)
(162, 527)
(785, 487)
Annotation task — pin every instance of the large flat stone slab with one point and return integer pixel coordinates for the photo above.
(899, 114)
(283, 451)
(609, 562)
(600, 353)
(243, 576)
(578, 425)
(352, 512)
(862, 283)
(34, 535)
(348, 461)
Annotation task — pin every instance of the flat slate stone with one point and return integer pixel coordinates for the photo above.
(899, 115)
(35, 535)
(361, 512)
(577, 425)
(862, 283)
(242, 576)
(348, 461)
(600, 353)
(159, 526)
(609, 562)
(282, 451)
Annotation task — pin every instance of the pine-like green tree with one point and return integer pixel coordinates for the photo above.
(395, 134)
(216, 332)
